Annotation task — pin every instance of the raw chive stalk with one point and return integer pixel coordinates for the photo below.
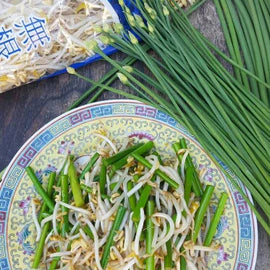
(205, 201)
(44, 195)
(244, 44)
(158, 172)
(102, 179)
(1, 174)
(141, 203)
(231, 39)
(215, 220)
(120, 155)
(193, 8)
(132, 198)
(150, 259)
(122, 162)
(65, 199)
(75, 186)
(108, 79)
(196, 184)
(89, 165)
(115, 227)
(44, 207)
(259, 35)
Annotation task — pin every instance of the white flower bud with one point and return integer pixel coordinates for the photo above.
(91, 45)
(166, 11)
(121, 3)
(129, 69)
(132, 38)
(97, 28)
(131, 20)
(151, 29)
(106, 28)
(139, 21)
(71, 70)
(118, 28)
(105, 40)
(123, 79)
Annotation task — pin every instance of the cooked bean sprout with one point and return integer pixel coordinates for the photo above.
(84, 244)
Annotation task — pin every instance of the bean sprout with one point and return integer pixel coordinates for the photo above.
(69, 25)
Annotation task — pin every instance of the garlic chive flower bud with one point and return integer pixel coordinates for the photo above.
(129, 69)
(147, 7)
(127, 10)
(106, 28)
(139, 21)
(151, 29)
(91, 45)
(97, 28)
(131, 20)
(166, 11)
(153, 14)
(118, 28)
(132, 38)
(123, 79)
(121, 3)
(71, 70)
(151, 11)
(105, 40)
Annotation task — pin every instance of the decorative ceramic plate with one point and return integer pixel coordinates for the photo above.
(237, 231)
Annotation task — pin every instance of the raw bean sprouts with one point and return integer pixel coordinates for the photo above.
(69, 25)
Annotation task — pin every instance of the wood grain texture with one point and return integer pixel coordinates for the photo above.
(25, 109)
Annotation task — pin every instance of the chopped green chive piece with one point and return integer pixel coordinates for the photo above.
(120, 155)
(89, 165)
(75, 186)
(164, 176)
(215, 220)
(207, 194)
(115, 227)
(46, 198)
(150, 260)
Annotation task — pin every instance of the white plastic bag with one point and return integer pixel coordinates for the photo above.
(41, 37)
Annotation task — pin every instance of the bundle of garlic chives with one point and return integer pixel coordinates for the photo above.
(246, 30)
(231, 123)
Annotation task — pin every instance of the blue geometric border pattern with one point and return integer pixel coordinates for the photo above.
(99, 111)
(245, 221)
(42, 140)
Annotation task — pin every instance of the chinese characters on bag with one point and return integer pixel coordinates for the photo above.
(32, 31)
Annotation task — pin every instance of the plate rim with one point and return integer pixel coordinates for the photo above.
(254, 256)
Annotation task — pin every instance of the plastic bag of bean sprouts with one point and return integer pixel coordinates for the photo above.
(40, 38)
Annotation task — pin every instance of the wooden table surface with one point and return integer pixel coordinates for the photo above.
(25, 109)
